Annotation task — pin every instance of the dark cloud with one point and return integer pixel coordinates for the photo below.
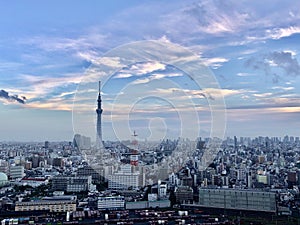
(16, 98)
(285, 61)
(207, 95)
(282, 60)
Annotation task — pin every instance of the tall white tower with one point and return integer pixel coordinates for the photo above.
(99, 141)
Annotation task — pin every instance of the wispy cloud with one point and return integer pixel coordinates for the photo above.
(41, 86)
(278, 33)
(211, 93)
(214, 62)
(156, 76)
(62, 44)
(144, 68)
(244, 74)
(52, 93)
(283, 88)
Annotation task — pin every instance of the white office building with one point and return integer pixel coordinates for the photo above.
(126, 178)
(16, 172)
(123, 181)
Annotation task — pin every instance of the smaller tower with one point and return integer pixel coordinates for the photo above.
(134, 157)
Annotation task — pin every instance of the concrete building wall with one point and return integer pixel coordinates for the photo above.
(121, 181)
(114, 202)
(148, 204)
(52, 206)
(238, 199)
(16, 172)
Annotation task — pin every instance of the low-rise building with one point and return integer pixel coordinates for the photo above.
(48, 205)
(238, 199)
(34, 181)
(111, 202)
(148, 204)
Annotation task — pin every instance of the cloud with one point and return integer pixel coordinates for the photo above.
(12, 98)
(156, 76)
(283, 88)
(86, 41)
(41, 86)
(206, 17)
(145, 68)
(230, 23)
(44, 92)
(263, 95)
(123, 75)
(141, 81)
(209, 93)
(278, 33)
(270, 63)
(244, 74)
(214, 62)
(286, 61)
(139, 69)
(108, 61)
(4, 66)
(55, 103)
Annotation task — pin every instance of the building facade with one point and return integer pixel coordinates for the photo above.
(123, 181)
(112, 203)
(238, 199)
(184, 194)
(52, 206)
(72, 184)
(16, 172)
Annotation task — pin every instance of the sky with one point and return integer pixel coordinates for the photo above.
(50, 51)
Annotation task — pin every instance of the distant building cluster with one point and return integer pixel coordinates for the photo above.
(261, 174)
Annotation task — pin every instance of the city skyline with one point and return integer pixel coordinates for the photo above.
(48, 48)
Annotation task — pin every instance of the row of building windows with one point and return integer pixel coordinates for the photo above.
(44, 205)
(237, 199)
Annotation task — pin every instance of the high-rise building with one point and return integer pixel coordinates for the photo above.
(81, 142)
(99, 110)
(162, 189)
(292, 178)
(235, 143)
(173, 180)
(249, 179)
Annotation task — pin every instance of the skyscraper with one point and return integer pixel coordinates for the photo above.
(235, 143)
(99, 142)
